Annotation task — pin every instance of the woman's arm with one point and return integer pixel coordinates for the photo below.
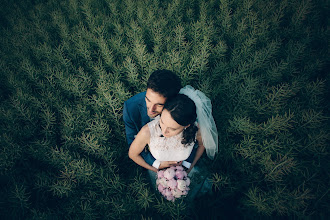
(199, 152)
(137, 146)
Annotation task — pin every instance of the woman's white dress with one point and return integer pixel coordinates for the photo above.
(171, 149)
(167, 149)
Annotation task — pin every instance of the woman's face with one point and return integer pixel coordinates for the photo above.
(168, 125)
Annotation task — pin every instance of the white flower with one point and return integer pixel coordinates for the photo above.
(169, 174)
(163, 181)
(176, 193)
(182, 184)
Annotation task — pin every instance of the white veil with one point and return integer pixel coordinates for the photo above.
(204, 119)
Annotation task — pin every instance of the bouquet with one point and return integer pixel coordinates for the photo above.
(173, 182)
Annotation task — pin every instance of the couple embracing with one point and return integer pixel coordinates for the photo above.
(168, 125)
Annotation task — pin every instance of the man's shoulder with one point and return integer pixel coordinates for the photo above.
(137, 99)
(134, 106)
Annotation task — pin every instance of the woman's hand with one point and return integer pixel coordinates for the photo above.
(166, 164)
(154, 169)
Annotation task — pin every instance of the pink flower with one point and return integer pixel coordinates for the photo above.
(172, 183)
(170, 198)
(160, 174)
(173, 168)
(179, 168)
(169, 174)
(179, 174)
(163, 193)
(167, 192)
(160, 188)
(181, 184)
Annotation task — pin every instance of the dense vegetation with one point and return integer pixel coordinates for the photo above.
(68, 66)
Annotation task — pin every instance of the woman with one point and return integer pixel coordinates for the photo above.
(172, 135)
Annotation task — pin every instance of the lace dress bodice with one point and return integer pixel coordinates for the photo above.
(167, 149)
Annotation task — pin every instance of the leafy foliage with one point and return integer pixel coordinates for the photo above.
(68, 66)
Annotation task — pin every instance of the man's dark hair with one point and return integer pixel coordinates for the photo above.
(164, 82)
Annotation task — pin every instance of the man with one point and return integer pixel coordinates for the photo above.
(143, 107)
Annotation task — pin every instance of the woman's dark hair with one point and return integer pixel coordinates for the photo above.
(183, 111)
(164, 82)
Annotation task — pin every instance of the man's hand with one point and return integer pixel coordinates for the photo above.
(165, 164)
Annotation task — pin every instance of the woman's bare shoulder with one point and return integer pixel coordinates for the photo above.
(145, 132)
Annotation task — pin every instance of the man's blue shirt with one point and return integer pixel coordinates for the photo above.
(135, 116)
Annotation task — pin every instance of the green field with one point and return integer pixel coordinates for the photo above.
(68, 66)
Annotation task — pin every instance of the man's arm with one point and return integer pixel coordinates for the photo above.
(131, 132)
(130, 128)
(187, 163)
